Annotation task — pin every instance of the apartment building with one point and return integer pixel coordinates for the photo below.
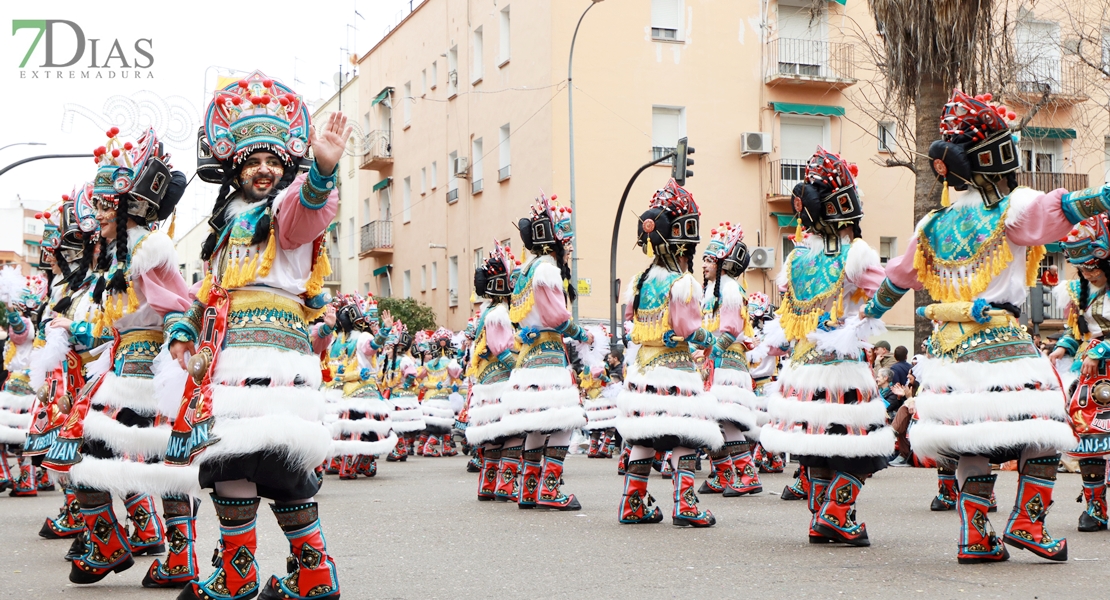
(467, 120)
(342, 235)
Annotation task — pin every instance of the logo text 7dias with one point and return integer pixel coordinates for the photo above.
(67, 53)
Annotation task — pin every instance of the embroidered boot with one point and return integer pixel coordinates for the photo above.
(79, 546)
(978, 542)
(487, 479)
(947, 495)
(1026, 528)
(432, 448)
(636, 502)
(449, 445)
(474, 465)
(746, 480)
(421, 443)
(107, 550)
(836, 517)
(722, 473)
(686, 511)
(799, 490)
(180, 566)
(818, 485)
(611, 449)
(236, 575)
(333, 465)
(531, 473)
(592, 453)
(368, 465)
(622, 462)
(551, 494)
(778, 463)
(1093, 471)
(348, 468)
(508, 475)
(42, 481)
(5, 470)
(666, 471)
(410, 444)
(312, 573)
(68, 523)
(399, 452)
(148, 537)
(26, 485)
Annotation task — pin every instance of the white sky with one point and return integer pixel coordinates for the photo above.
(282, 38)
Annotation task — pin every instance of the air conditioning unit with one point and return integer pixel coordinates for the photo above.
(762, 258)
(460, 166)
(754, 142)
(453, 77)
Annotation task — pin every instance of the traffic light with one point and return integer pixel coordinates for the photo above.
(678, 169)
(1039, 300)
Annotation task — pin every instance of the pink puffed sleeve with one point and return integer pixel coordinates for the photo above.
(22, 338)
(1042, 222)
(900, 270)
(364, 347)
(551, 306)
(298, 224)
(870, 280)
(732, 321)
(320, 343)
(499, 338)
(454, 370)
(164, 289)
(685, 316)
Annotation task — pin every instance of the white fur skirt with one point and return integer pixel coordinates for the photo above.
(601, 412)
(15, 418)
(541, 399)
(993, 409)
(485, 412)
(737, 402)
(690, 414)
(438, 414)
(407, 417)
(808, 414)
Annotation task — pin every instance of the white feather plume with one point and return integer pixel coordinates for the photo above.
(12, 283)
(848, 339)
(169, 383)
(773, 337)
(44, 360)
(102, 364)
(593, 356)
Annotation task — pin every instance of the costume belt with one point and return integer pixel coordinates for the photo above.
(65, 450)
(962, 321)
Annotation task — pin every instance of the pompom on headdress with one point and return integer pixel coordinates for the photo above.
(976, 147)
(51, 236)
(139, 171)
(670, 226)
(828, 198)
(726, 246)
(1089, 241)
(492, 278)
(546, 226)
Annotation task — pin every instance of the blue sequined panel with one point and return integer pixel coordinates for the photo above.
(270, 328)
(958, 234)
(813, 273)
(134, 359)
(546, 351)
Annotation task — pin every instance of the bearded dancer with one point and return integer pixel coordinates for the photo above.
(663, 407)
(541, 403)
(826, 409)
(725, 314)
(987, 394)
(259, 368)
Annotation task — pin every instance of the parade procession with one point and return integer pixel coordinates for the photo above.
(822, 370)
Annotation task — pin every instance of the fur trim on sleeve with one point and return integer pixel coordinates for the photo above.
(156, 250)
(861, 257)
(44, 360)
(1020, 200)
(547, 275)
(686, 290)
(732, 297)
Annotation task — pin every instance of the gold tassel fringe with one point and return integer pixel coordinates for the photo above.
(944, 200)
(320, 269)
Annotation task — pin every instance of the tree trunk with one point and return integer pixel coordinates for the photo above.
(932, 93)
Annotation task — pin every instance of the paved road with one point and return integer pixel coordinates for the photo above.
(416, 531)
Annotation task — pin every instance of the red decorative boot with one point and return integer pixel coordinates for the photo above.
(531, 473)
(799, 490)
(68, 523)
(508, 474)
(449, 445)
(551, 494)
(180, 566)
(312, 573)
(42, 481)
(1093, 471)
(722, 473)
(421, 442)
(148, 537)
(666, 471)
(622, 462)
(978, 542)
(610, 444)
(25, 486)
(431, 447)
(686, 511)
(817, 489)
(348, 469)
(400, 451)
(636, 502)
(410, 445)
(488, 479)
(107, 550)
(947, 495)
(746, 480)
(778, 463)
(333, 465)
(592, 453)
(836, 518)
(1026, 528)
(236, 575)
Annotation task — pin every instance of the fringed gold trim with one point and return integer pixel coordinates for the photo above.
(749, 331)
(132, 299)
(1033, 257)
(320, 269)
(173, 224)
(992, 258)
(522, 305)
(9, 354)
(799, 319)
(269, 254)
(205, 288)
(651, 325)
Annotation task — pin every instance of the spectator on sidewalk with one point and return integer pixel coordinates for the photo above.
(901, 368)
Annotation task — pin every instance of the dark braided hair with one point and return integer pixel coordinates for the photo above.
(564, 269)
(118, 283)
(1085, 291)
(218, 220)
(639, 285)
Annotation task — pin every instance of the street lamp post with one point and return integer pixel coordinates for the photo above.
(570, 119)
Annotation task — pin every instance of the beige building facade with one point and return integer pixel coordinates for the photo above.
(465, 109)
(342, 235)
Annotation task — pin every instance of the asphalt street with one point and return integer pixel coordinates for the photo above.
(417, 531)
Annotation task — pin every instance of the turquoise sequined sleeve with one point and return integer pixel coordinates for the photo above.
(1085, 203)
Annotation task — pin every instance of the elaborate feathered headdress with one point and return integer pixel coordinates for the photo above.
(976, 146)
(1088, 241)
(256, 113)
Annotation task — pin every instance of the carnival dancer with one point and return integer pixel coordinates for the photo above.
(764, 363)
(663, 407)
(541, 403)
(365, 428)
(725, 314)
(256, 409)
(22, 302)
(1087, 313)
(439, 379)
(987, 395)
(826, 409)
(398, 377)
(594, 381)
(491, 361)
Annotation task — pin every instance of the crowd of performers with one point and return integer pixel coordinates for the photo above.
(127, 382)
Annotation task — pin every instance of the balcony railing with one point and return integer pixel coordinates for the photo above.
(476, 186)
(1050, 181)
(503, 173)
(785, 174)
(1063, 79)
(658, 152)
(333, 260)
(809, 61)
(452, 196)
(379, 150)
(1052, 311)
(376, 237)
